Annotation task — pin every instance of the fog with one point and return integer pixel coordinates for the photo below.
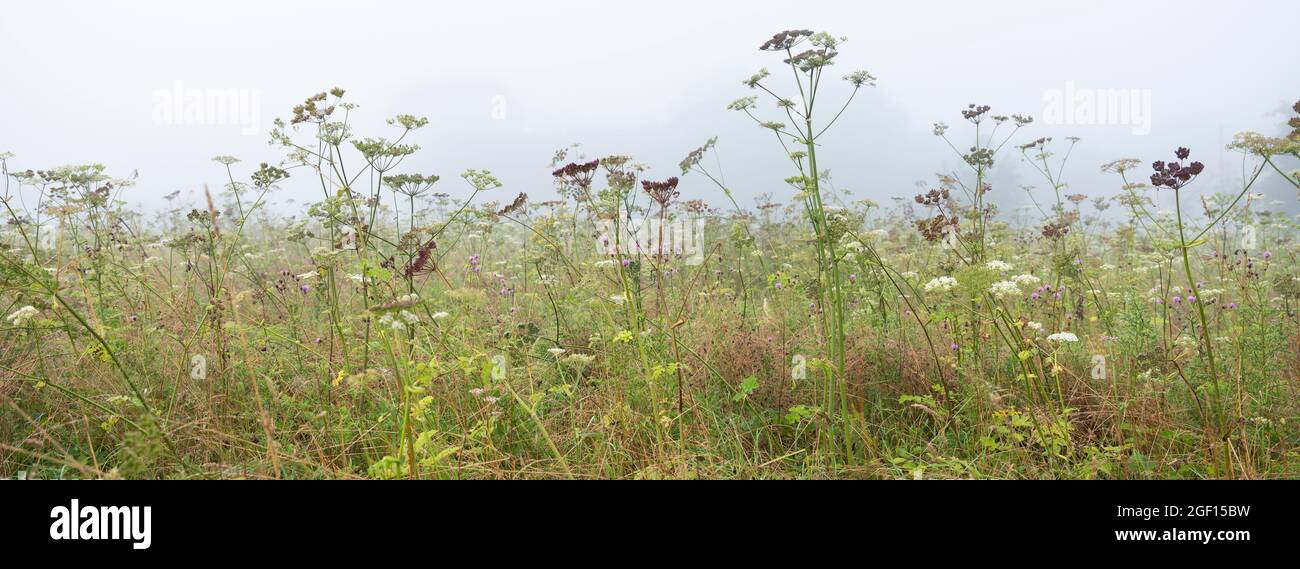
(505, 84)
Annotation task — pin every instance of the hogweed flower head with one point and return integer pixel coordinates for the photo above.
(1063, 337)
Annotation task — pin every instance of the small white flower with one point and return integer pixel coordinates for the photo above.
(22, 315)
(1002, 289)
(579, 360)
(1026, 280)
(1035, 326)
(940, 283)
(440, 315)
(1063, 337)
(556, 351)
(999, 266)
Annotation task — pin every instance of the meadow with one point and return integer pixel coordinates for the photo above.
(434, 326)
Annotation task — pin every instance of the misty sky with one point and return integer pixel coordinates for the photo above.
(505, 83)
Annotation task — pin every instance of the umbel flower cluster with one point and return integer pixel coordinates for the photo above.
(1174, 174)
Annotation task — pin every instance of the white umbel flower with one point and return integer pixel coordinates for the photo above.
(999, 266)
(940, 283)
(1063, 337)
(22, 315)
(1003, 289)
(1027, 280)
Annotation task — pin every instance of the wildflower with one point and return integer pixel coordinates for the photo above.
(785, 40)
(999, 266)
(941, 283)
(1063, 337)
(22, 316)
(440, 315)
(318, 340)
(1174, 174)
(859, 78)
(579, 360)
(556, 351)
(661, 192)
(1268, 254)
(1002, 289)
(1026, 280)
(1035, 326)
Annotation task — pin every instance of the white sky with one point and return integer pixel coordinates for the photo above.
(650, 79)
